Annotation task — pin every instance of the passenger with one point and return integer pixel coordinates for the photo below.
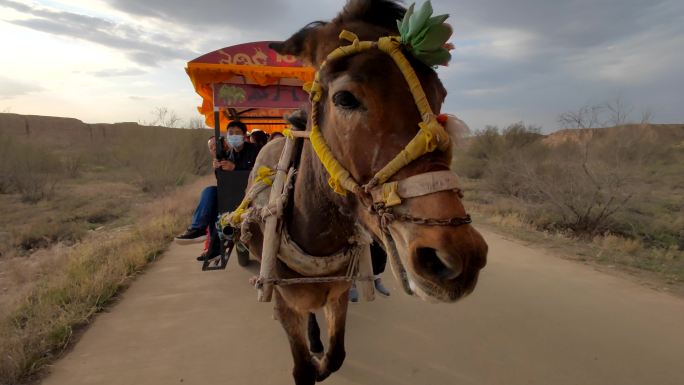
(259, 138)
(240, 155)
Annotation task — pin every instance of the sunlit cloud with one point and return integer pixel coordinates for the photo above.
(113, 72)
(11, 88)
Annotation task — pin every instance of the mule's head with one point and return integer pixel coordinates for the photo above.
(367, 115)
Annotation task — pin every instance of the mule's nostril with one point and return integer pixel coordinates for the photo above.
(454, 264)
(431, 262)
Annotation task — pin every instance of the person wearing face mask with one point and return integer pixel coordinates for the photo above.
(240, 155)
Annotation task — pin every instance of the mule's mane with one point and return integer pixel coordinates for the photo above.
(382, 13)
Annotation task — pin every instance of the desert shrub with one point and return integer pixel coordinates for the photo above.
(483, 146)
(45, 233)
(74, 164)
(163, 158)
(29, 169)
(5, 161)
(604, 183)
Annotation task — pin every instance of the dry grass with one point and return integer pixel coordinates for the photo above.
(81, 281)
(552, 193)
(58, 184)
(82, 209)
(663, 266)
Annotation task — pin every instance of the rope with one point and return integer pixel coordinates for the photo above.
(251, 217)
(277, 208)
(259, 281)
(262, 181)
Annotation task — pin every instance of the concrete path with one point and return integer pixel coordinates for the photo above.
(533, 319)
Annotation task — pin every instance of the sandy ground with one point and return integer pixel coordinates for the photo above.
(534, 319)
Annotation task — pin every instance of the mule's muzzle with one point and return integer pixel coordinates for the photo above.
(450, 270)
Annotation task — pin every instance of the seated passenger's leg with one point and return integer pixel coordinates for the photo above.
(379, 260)
(207, 209)
(201, 217)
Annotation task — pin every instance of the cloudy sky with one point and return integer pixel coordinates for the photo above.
(529, 60)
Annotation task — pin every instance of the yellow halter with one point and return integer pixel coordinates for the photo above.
(430, 137)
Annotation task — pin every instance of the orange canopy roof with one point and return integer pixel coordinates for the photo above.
(251, 74)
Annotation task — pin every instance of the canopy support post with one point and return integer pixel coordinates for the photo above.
(271, 243)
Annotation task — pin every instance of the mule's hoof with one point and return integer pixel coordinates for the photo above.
(322, 376)
(322, 371)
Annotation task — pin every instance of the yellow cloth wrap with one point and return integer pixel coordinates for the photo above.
(288, 133)
(349, 36)
(430, 137)
(390, 195)
(234, 218)
(340, 179)
(315, 91)
(263, 175)
(346, 50)
(392, 46)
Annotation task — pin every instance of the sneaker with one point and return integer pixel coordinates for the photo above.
(380, 288)
(353, 294)
(191, 236)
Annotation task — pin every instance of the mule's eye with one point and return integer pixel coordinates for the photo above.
(346, 100)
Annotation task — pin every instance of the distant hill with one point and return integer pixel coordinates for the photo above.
(62, 133)
(65, 132)
(672, 134)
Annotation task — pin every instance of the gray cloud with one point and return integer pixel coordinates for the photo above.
(11, 88)
(563, 55)
(139, 45)
(261, 17)
(527, 60)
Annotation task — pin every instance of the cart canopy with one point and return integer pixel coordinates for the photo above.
(249, 82)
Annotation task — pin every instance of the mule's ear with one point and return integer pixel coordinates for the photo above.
(302, 44)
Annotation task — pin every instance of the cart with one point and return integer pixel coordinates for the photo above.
(257, 86)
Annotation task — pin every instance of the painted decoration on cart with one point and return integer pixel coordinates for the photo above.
(250, 54)
(254, 96)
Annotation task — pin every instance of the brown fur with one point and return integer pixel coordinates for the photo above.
(364, 140)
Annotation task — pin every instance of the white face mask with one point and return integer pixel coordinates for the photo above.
(235, 141)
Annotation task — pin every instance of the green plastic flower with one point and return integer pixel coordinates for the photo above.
(425, 35)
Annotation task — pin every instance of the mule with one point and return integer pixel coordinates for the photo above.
(366, 115)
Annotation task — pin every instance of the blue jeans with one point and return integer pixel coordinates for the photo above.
(206, 212)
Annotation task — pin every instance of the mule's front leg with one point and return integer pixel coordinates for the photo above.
(314, 331)
(336, 315)
(305, 368)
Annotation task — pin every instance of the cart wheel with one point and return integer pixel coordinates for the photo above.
(243, 256)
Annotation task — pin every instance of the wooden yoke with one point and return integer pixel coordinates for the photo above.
(273, 225)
